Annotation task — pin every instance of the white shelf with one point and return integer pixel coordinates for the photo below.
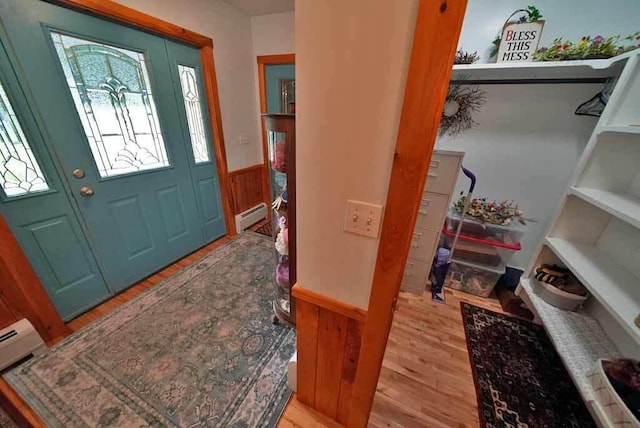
(619, 129)
(617, 289)
(578, 338)
(625, 207)
(595, 68)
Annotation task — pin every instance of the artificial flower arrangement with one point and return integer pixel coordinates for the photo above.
(501, 213)
(597, 47)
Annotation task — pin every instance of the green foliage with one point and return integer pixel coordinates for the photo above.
(587, 48)
(486, 211)
(533, 15)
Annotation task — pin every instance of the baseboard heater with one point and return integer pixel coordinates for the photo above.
(250, 217)
(19, 340)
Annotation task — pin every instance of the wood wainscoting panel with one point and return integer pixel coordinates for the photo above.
(329, 341)
(247, 187)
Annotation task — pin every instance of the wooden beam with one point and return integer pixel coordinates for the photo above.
(435, 40)
(277, 59)
(133, 18)
(215, 118)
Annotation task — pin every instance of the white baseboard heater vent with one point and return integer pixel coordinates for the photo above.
(250, 217)
(19, 340)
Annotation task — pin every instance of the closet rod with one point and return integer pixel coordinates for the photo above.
(528, 81)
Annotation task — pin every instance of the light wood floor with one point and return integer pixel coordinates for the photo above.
(426, 378)
(425, 381)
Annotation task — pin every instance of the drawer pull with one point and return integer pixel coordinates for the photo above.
(425, 202)
(434, 164)
(432, 174)
(409, 265)
(415, 245)
(422, 212)
(407, 274)
(417, 235)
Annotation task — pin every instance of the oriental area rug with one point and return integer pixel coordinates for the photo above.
(197, 350)
(519, 377)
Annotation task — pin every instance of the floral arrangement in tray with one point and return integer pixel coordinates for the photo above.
(588, 47)
(485, 211)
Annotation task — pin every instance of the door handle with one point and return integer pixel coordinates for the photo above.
(86, 191)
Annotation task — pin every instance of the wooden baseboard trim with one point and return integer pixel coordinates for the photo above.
(329, 303)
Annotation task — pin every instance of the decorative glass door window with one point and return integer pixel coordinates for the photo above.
(19, 170)
(192, 105)
(112, 93)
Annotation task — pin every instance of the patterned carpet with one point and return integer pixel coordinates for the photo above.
(520, 379)
(197, 350)
(5, 420)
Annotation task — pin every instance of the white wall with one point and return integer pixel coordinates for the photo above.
(273, 34)
(528, 140)
(525, 148)
(351, 64)
(230, 30)
(569, 19)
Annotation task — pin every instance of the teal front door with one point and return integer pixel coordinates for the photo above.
(122, 115)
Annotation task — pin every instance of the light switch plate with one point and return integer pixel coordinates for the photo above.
(363, 218)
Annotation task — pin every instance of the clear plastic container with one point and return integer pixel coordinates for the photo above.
(510, 234)
(486, 251)
(472, 278)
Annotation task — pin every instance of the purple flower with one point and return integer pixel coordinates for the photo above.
(542, 49)
(522, 19)
(597, 39)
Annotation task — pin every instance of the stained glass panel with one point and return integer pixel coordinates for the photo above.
(19, 170)
(112, 94)
(192, 105)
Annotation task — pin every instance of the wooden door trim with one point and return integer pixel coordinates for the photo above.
(130, 17)
(438, 27)
(263, 61)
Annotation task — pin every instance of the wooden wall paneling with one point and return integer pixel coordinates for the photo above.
(22, 291)
(349, 367)
(246, 187)
(329, 342)
(6, 316)
(332, 336)
(307, 345)
(435, 41)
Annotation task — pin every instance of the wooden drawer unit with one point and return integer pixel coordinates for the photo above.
(443, 173)
(441, 180)
(433, 208)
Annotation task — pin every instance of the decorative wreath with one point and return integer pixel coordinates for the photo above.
(461, 102)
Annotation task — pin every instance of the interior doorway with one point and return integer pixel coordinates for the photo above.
(276, 82)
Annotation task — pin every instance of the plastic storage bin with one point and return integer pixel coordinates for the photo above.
(607, 400)
(478, 250)
(472, 278)
(510, 234)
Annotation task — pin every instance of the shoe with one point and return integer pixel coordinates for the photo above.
(436, 298)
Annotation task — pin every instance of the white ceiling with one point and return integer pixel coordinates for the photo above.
(262, 7)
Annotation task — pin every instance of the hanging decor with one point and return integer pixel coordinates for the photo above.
(519, 39)
(461, 102)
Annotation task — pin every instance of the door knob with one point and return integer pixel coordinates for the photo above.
(86, 191)
(78, 173)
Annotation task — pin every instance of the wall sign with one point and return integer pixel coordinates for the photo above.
(519, 41)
